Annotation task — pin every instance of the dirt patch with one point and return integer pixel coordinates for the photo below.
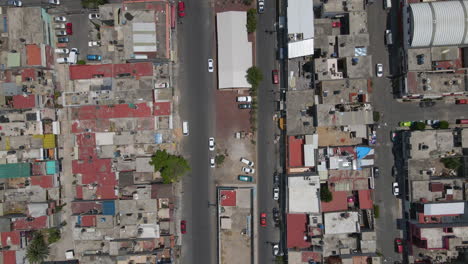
(229, 118)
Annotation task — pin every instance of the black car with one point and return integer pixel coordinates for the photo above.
(63, 40)
(376, 172)
(427, 104)
(276, 215)
(276, 179)
(244, 106)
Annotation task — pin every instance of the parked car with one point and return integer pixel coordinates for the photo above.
(63, 40)
(69, 28)
(94, 16)
(395, 189)
(59, 26)
(461, 101)
(212, 162)
(245, 178)
(94, 43)
(181, 8)
(388, 37)
(248, 170)
(211, 143)
(276, 215)
(276, 250)
(263, 219)
(398, 245)
(275, 76)
(15, 3)
(183, 226)
(244, 106)
(61, 33)
(93, 57)
(376, 172)
(276, 193)
(62, 51)
(62, 60)
(261, 6)
(405, 123)
(427, 104)
(276, 178)
(248, 162)
(244, 99)
(54, 2)
(379, 70)
(60, 19)
(393, 136)
(210, 65)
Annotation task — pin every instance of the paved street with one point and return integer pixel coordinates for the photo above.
(197, 86)
(267, 155)
(393, 112)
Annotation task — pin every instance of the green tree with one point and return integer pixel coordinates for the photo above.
(418, 126)
(171, 167)
(451, 163)
(219, 159)
(251, 20)
(37, 250)
(443, 124)
(254, 76)
(325, 194)
(376, 211)
(247, 2)
(81, 62)
(376, 116)
(93, 4)
(54, 235)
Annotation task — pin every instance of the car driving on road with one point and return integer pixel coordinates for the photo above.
(275, 76)
(263, 219)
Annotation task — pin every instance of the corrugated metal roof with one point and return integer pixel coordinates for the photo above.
(444, 208)
(144, 27)
(422, 24)
(450, 23)
(15, 170)
(301, 18)
(144, 37)
(300, 48)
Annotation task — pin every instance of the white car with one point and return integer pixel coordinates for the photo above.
(276, 249)
(60, 33)
(94, 43)
(379, 70)
(248, 162)
(248, 170)
(94, 16)
(244, 99)
(261, 6)
(210, 65)
(59, 26)
(62, 51)
(211, 143)
(60, 19)
(62, 60)
(212, 162)
(396, 189)
(54, 2)
(16, 3)
(276, 193)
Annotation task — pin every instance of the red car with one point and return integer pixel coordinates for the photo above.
(263, 220)
(336, 24)
(398, 245)
(181, 9)
(183, 226)
(69, 28)
(275, 76)
(461, 101)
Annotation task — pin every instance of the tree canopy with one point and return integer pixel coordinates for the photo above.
(325, 194)
(93, 4)
(37, 250)
(171, 167)
(254, 76)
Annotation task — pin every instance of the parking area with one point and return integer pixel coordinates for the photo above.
(230, 120)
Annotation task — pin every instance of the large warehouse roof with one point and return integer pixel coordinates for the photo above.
(234, 50)
(301, 18)
(439, 23)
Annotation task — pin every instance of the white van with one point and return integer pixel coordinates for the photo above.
(185, 129)
(387, 4)
(73, 56)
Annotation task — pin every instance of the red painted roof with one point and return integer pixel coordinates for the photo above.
(46, 181)
(85, 207)
(228, 198)
(88, 220)
(9, 257)
(106, 178)
(339, 202)
(106, 192)
(365, 199)
(24, 102)
(117, 111)
(86, 140)
(296, 152)
(91, 166)
(297, 227)
(28, 73)
(110, 70)
(85, 153)
(79, 192)
(10, 238)
(33, 53)
(36, 224)
(162, 108)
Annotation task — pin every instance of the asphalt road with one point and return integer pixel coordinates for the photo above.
(392, 111)
(195, 45)
(267, 156)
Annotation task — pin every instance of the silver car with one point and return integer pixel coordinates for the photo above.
(248, 170)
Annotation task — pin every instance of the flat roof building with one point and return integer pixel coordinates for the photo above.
(300, 28)
(234, 50)
(304, 194)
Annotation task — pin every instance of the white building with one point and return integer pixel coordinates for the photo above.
(300, 28)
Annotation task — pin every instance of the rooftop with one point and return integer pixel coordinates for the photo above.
(299, 112)
(431, 144)
(435, 84)
(126, 70)
(329, 115)
(335, 6)
(303, 194)
(338, 203)
(342, 136)
(341, 223)
(345, 91)
(297, 228)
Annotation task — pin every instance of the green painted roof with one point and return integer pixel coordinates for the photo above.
(13, 60)
(15, 170)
